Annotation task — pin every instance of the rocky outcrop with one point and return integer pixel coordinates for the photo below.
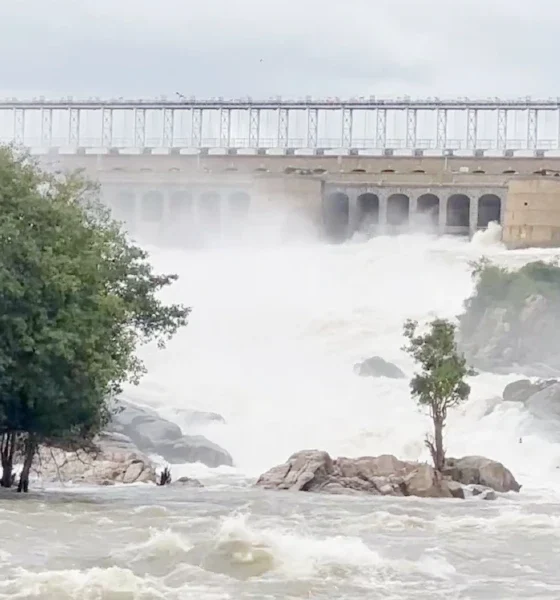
(316, 471)
(509, 335)
(386, 475)
(150, 433)
(478, 470)
(378, 367)
(113, 464)
(523, 389)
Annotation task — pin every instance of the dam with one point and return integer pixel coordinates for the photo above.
(173, 168)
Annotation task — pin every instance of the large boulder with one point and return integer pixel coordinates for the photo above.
(545, 404)
(112, 464)
(153, 434)
(316, 471)
(522, 389)
(478, 470)
(378, 367)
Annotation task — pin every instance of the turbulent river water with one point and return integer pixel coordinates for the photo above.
(275, 330)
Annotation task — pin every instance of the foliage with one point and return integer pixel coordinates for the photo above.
(440, 385)
(76, 300)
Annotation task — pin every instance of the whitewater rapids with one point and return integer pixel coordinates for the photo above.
(274, 333)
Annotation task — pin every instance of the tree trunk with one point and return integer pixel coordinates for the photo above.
(30, 449)
(439, 459)
(7, 452)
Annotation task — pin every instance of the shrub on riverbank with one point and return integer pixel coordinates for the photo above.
(77, 298)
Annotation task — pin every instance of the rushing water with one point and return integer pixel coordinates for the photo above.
(274, 333)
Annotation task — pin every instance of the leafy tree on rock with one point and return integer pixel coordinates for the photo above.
(441, 383)
(77, 298)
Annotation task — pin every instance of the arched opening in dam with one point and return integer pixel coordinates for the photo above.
(239, 204)
(489, 209)
(368, 209)
(209, 209)
(336, 212)
(428, 210)
(180, 206)
(152, 207)
(123, 207)
(398, 209)
(458, 210)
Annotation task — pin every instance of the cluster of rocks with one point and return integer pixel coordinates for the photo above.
(386, 475)
(125, 447)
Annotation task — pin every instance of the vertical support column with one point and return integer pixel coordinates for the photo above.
(381, 129)
(19, 126)
(107, 128)
(502, 128)
(139, 127)
(383, 196)
(225, 128)
(347, 120)
(74, 127)
(441, 125)
(312, 127)
(412, 209)
(558, 131)
(532, 126)
(283, 127)
(168, 127)
(196, 127)
(353, 213)
(46, 127)
(411, 120)
(254, 127)
(472, 127)
(442, 221)
(473, 213)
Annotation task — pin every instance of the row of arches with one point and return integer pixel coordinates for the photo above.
(336, 211)
(153, 206)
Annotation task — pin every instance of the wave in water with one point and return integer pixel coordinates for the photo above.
(275, 331)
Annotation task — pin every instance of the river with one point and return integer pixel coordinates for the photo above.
(275, 330)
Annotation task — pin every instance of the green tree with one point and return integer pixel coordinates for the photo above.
(440, 385)
(77, 298)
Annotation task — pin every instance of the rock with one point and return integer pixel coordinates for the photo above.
(523, 389)
(188, 482)
(456, 489)
(152, 434)
(194, 448)
(545, 404)
(484, 493)
(478, 470)
(197, 418)
(316, 471)
(378, 367)
(112, 465)
(510, 334)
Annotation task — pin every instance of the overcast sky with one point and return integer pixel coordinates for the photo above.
(262, 48)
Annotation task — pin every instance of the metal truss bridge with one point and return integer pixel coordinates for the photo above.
(358, 125)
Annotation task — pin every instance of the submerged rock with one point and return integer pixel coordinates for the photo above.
(188, 482)
(478, 470)
(378, 367)
(151, 433)
(386, 475)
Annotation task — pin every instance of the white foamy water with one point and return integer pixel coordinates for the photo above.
(273, 337)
